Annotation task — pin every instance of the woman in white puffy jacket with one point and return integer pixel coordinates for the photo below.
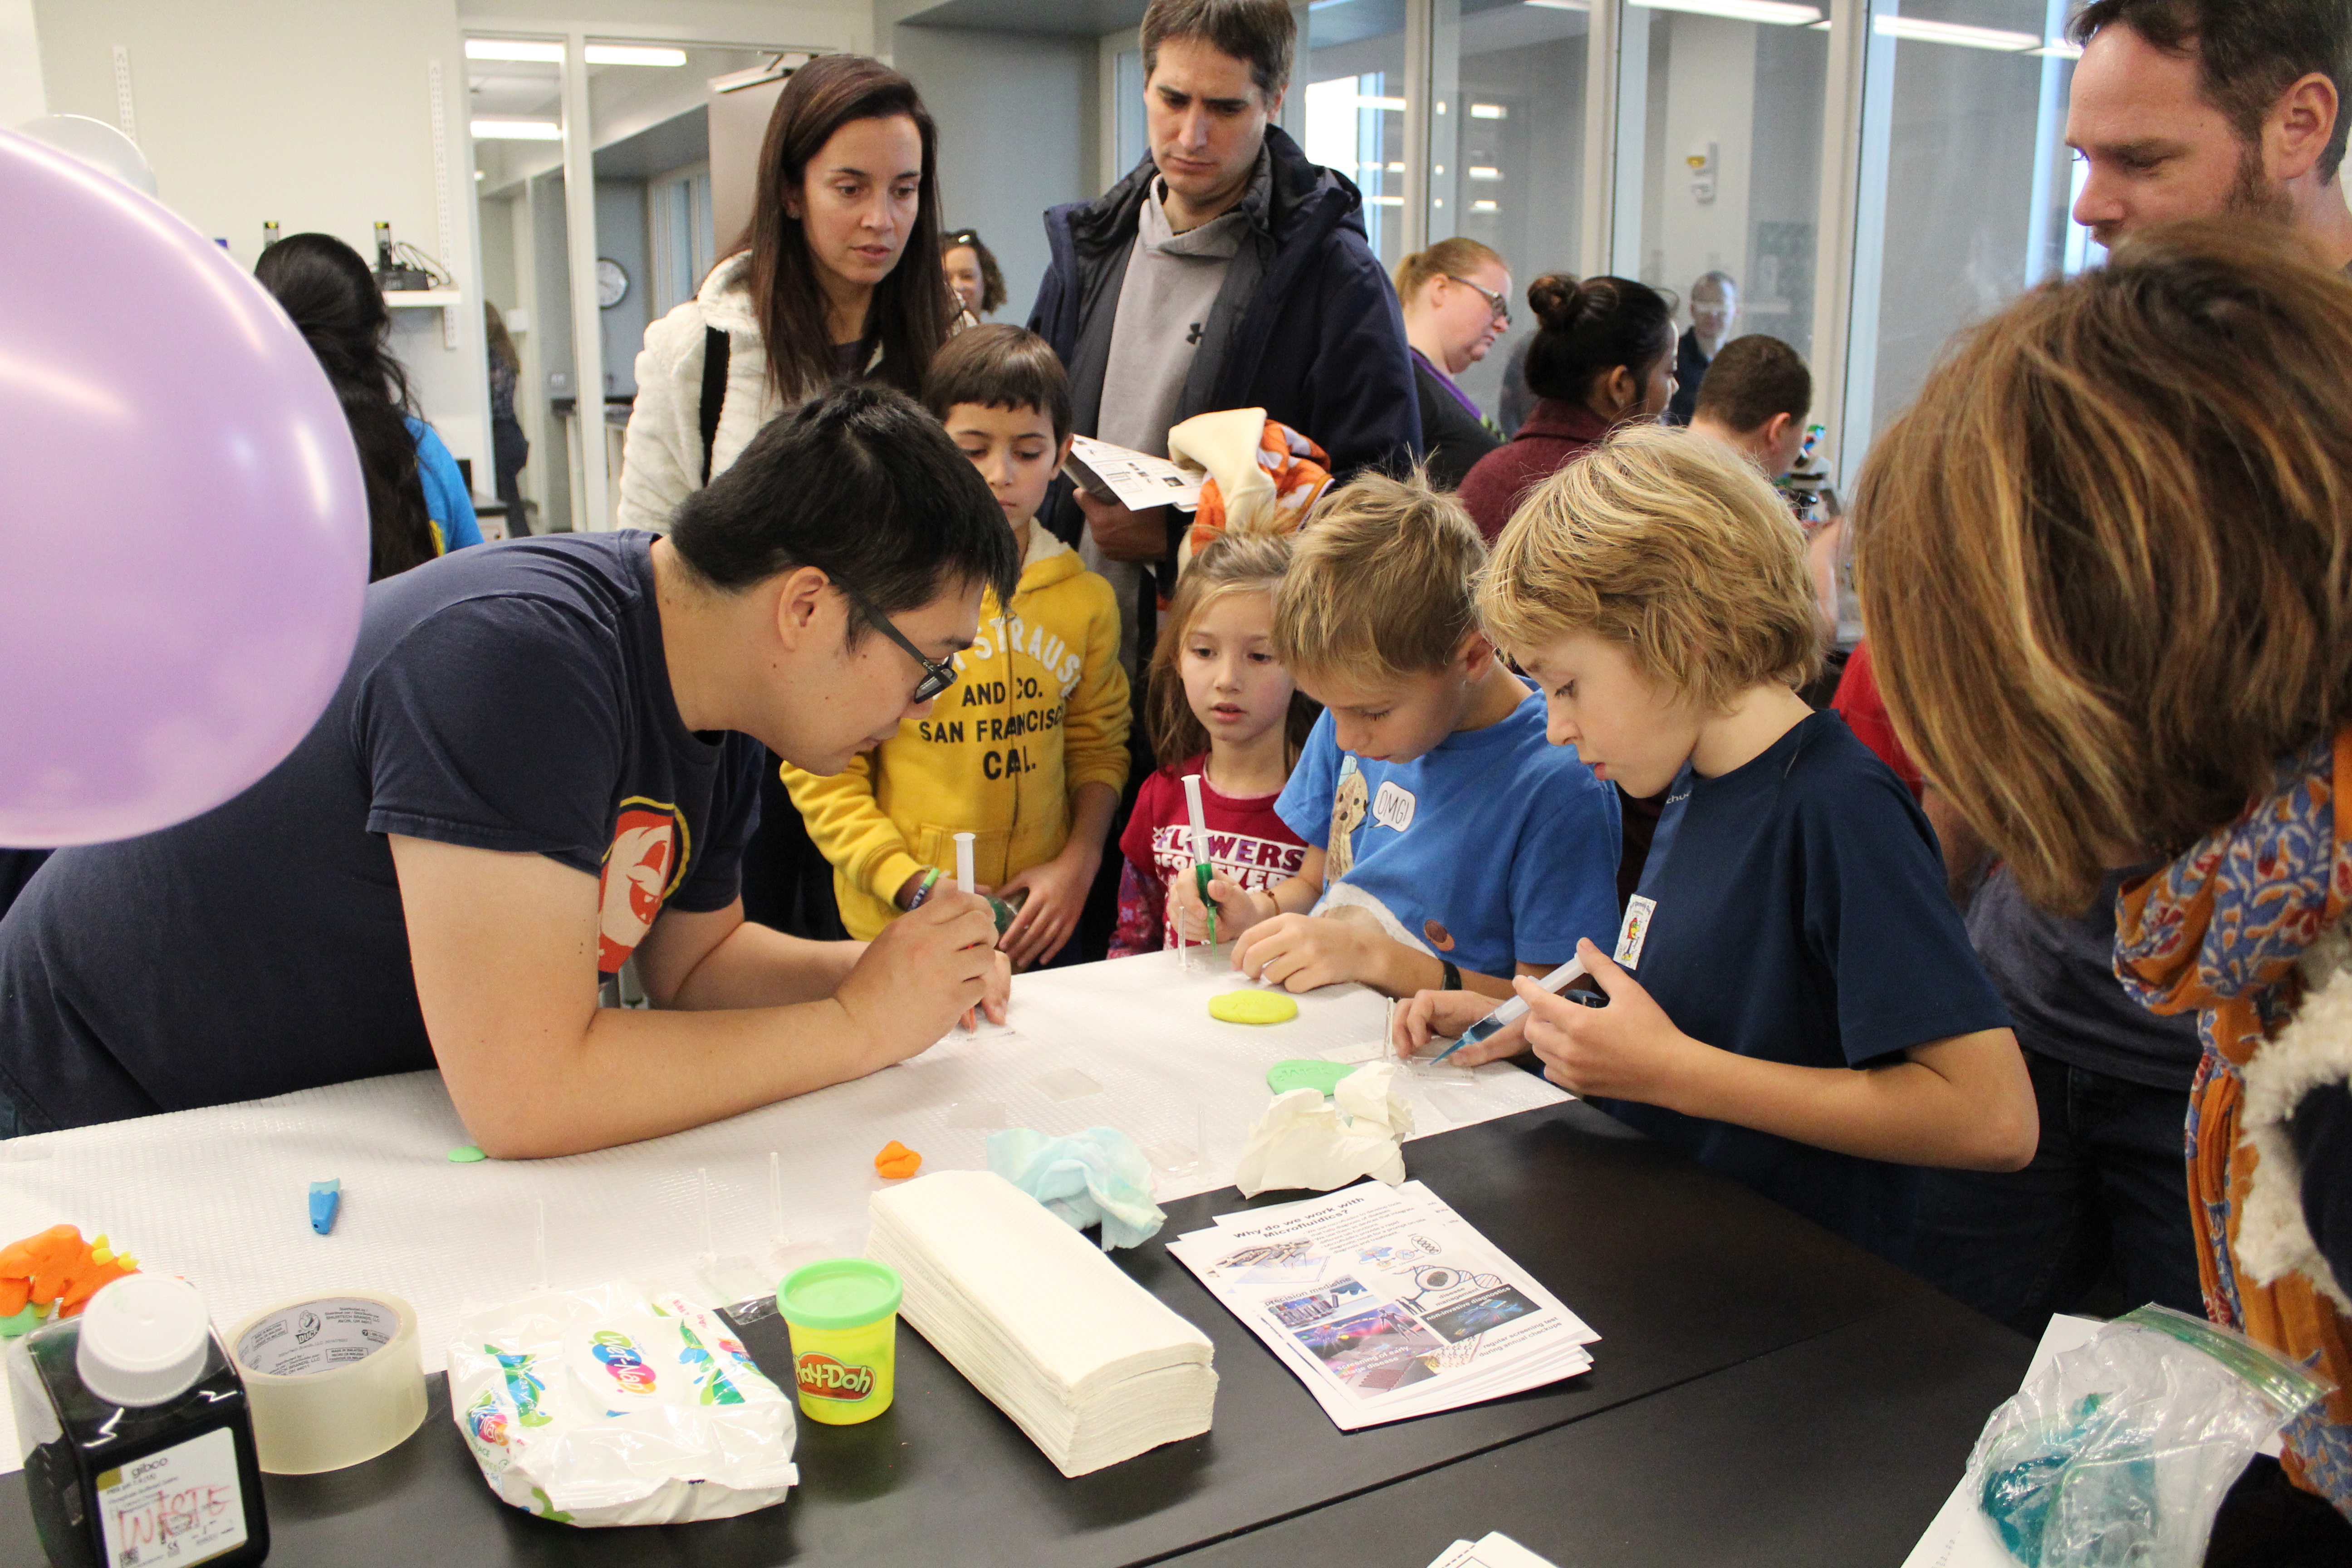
(813, 293)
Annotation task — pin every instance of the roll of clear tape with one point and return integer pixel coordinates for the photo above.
(332, 1381)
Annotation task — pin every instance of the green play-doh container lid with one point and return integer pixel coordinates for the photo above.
(839, 1293)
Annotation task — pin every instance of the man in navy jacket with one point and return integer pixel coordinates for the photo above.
(1253, 285)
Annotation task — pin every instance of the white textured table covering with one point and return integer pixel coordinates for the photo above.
(220, 1195)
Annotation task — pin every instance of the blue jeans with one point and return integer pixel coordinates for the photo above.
(2106, 1195)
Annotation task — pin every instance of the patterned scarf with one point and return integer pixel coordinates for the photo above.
(2220, 932)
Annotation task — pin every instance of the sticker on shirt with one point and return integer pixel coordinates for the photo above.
(1635, 931)
(1348, 799)
(1393, 806)
(642, 869)
(1241, 858)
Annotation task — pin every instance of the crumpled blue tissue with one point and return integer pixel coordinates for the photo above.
(1098, 1177)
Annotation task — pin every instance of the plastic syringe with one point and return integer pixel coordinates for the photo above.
(1513, 1010)
(1202, 872)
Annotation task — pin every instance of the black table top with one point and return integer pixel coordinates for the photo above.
(1725, 1318)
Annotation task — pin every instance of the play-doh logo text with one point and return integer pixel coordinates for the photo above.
(821, 1377)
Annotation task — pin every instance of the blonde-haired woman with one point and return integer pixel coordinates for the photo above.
(1457, 302)
(2106, 562)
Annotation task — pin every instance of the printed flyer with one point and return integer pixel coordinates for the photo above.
(1386, 1303)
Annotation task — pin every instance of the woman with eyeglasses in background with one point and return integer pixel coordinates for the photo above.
(1457, 302)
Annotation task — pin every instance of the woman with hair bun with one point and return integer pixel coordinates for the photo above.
(1603, 355)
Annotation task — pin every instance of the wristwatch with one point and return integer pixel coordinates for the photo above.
(930, 880)
(1452, 974)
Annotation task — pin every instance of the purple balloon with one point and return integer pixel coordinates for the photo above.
(183, 530)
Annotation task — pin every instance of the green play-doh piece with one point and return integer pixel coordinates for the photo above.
(466, 1154)
(23, 1321)
(1254, 1008)
(1307, 1072)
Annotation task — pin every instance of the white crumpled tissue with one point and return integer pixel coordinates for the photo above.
(1304, 1140)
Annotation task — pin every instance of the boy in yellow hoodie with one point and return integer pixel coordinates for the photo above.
(1028, 750)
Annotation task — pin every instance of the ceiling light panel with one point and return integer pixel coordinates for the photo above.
(532, 49)
(517, 130)
(1920, 30)
(633, 55)
(1771, 13)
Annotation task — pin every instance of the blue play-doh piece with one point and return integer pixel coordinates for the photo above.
(326, 1197)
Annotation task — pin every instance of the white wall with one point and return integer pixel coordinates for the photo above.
(1017, 114)
(1020, 119)
(621, 236)
(311, 113)
(1711, 98)
(21, 98)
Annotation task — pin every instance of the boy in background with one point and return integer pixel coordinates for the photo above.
(1449, 843)
(1027, 751)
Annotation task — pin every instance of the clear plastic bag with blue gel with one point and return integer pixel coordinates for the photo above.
(2116, 1455)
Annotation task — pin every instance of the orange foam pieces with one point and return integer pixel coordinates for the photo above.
(896, 1162)
(55, 1266)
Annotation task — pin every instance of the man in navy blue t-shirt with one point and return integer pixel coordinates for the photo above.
(1793, 1000)
(541, 764)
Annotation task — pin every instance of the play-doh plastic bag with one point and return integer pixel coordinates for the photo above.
(618, 1404)
(2116, 1455)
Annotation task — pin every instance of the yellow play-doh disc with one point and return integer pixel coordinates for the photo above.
(1254, 1008)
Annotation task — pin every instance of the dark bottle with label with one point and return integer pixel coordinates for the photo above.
(138, 1441)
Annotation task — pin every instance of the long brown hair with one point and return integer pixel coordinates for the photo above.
(334, 300)
(910, 315)
(1233, 562)
(2106, 560)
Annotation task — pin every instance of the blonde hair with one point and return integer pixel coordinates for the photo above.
(1233, 562)
(1671, 545)
(2106, 560)
(1446, 258)
(1381, 583)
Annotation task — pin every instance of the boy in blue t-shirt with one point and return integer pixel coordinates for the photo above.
(1809, 1018)
(1448, 844)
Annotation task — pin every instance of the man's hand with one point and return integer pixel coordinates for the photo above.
(925, 973)
(1628, 1050)
(997, 997)
(1432, 1015)
(1122, 533)
(1238, 909)
(1301, 953)
(1057, 895)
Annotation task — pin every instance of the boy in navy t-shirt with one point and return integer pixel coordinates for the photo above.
(1808, 1016)
(1449, 845)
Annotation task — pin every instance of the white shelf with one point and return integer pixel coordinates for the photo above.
(435, 298)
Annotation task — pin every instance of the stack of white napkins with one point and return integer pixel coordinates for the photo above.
(1085, 1360)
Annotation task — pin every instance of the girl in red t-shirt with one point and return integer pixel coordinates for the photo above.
(1224, 708)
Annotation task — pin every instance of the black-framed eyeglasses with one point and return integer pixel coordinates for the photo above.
(937, 677)
(1495, 303)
